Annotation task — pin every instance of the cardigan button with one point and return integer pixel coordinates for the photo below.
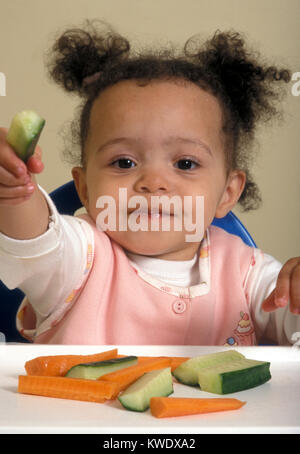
(179, 306)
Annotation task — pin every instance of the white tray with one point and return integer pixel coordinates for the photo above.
(273, 407)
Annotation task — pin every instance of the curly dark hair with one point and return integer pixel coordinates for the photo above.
(87, 60)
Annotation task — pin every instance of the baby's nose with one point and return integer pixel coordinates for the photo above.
(152, 181)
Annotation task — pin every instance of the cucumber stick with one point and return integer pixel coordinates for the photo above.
(157, 383)
(24, 133)
(234, 376)
(187, 372)
(95, 370)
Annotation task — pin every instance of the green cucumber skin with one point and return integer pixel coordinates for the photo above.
(157, 383)
(142, 410)
(24, 146)
(232, 381)
(32, 145)
(95, 370)
(239, 380)
(109, 362)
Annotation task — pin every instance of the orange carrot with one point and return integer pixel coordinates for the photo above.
(165, 407)
(124, 377)
(68, 388)
(58, 365)
(176, 361)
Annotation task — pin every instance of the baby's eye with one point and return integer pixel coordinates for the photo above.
(124, 163)
(187, 164)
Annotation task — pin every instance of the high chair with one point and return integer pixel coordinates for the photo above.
(67, 202)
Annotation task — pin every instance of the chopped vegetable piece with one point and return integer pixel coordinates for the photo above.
(187, 372)
(125, 377)
(155, 383)
(58, 365)
(68, 388)
(95, 370)
(177, 361)
(234, 376)
(24, 133)
(166, 407)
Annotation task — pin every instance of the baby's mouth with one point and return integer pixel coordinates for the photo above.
(155, 213)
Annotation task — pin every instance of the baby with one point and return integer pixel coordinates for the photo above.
(153, 127)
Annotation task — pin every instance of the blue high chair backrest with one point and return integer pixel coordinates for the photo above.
(67, 202)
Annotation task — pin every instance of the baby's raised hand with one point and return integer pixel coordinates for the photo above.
(16, 184)
(287, 288)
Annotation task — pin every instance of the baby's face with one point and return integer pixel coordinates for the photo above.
(163, 139)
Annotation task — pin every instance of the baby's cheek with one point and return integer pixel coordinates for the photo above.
(209, 211)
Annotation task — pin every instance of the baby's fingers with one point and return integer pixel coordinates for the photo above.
(295, 289)
(16, 184)
(9, 179)
(9, 161)
(35, 164)
(287, 287)
(280, 296)
(15, 194)
(269, 303)
(13, 164)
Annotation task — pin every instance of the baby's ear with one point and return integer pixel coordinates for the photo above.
(234, 187)
(79, 177)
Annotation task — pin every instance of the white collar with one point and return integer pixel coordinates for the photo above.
(161, 275)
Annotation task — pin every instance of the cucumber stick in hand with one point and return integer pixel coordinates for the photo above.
(24, 133)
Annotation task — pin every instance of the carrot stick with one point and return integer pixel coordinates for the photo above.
(124, 377)
(165, 407)
(58, 365)
(175, 360)
(68, 388)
